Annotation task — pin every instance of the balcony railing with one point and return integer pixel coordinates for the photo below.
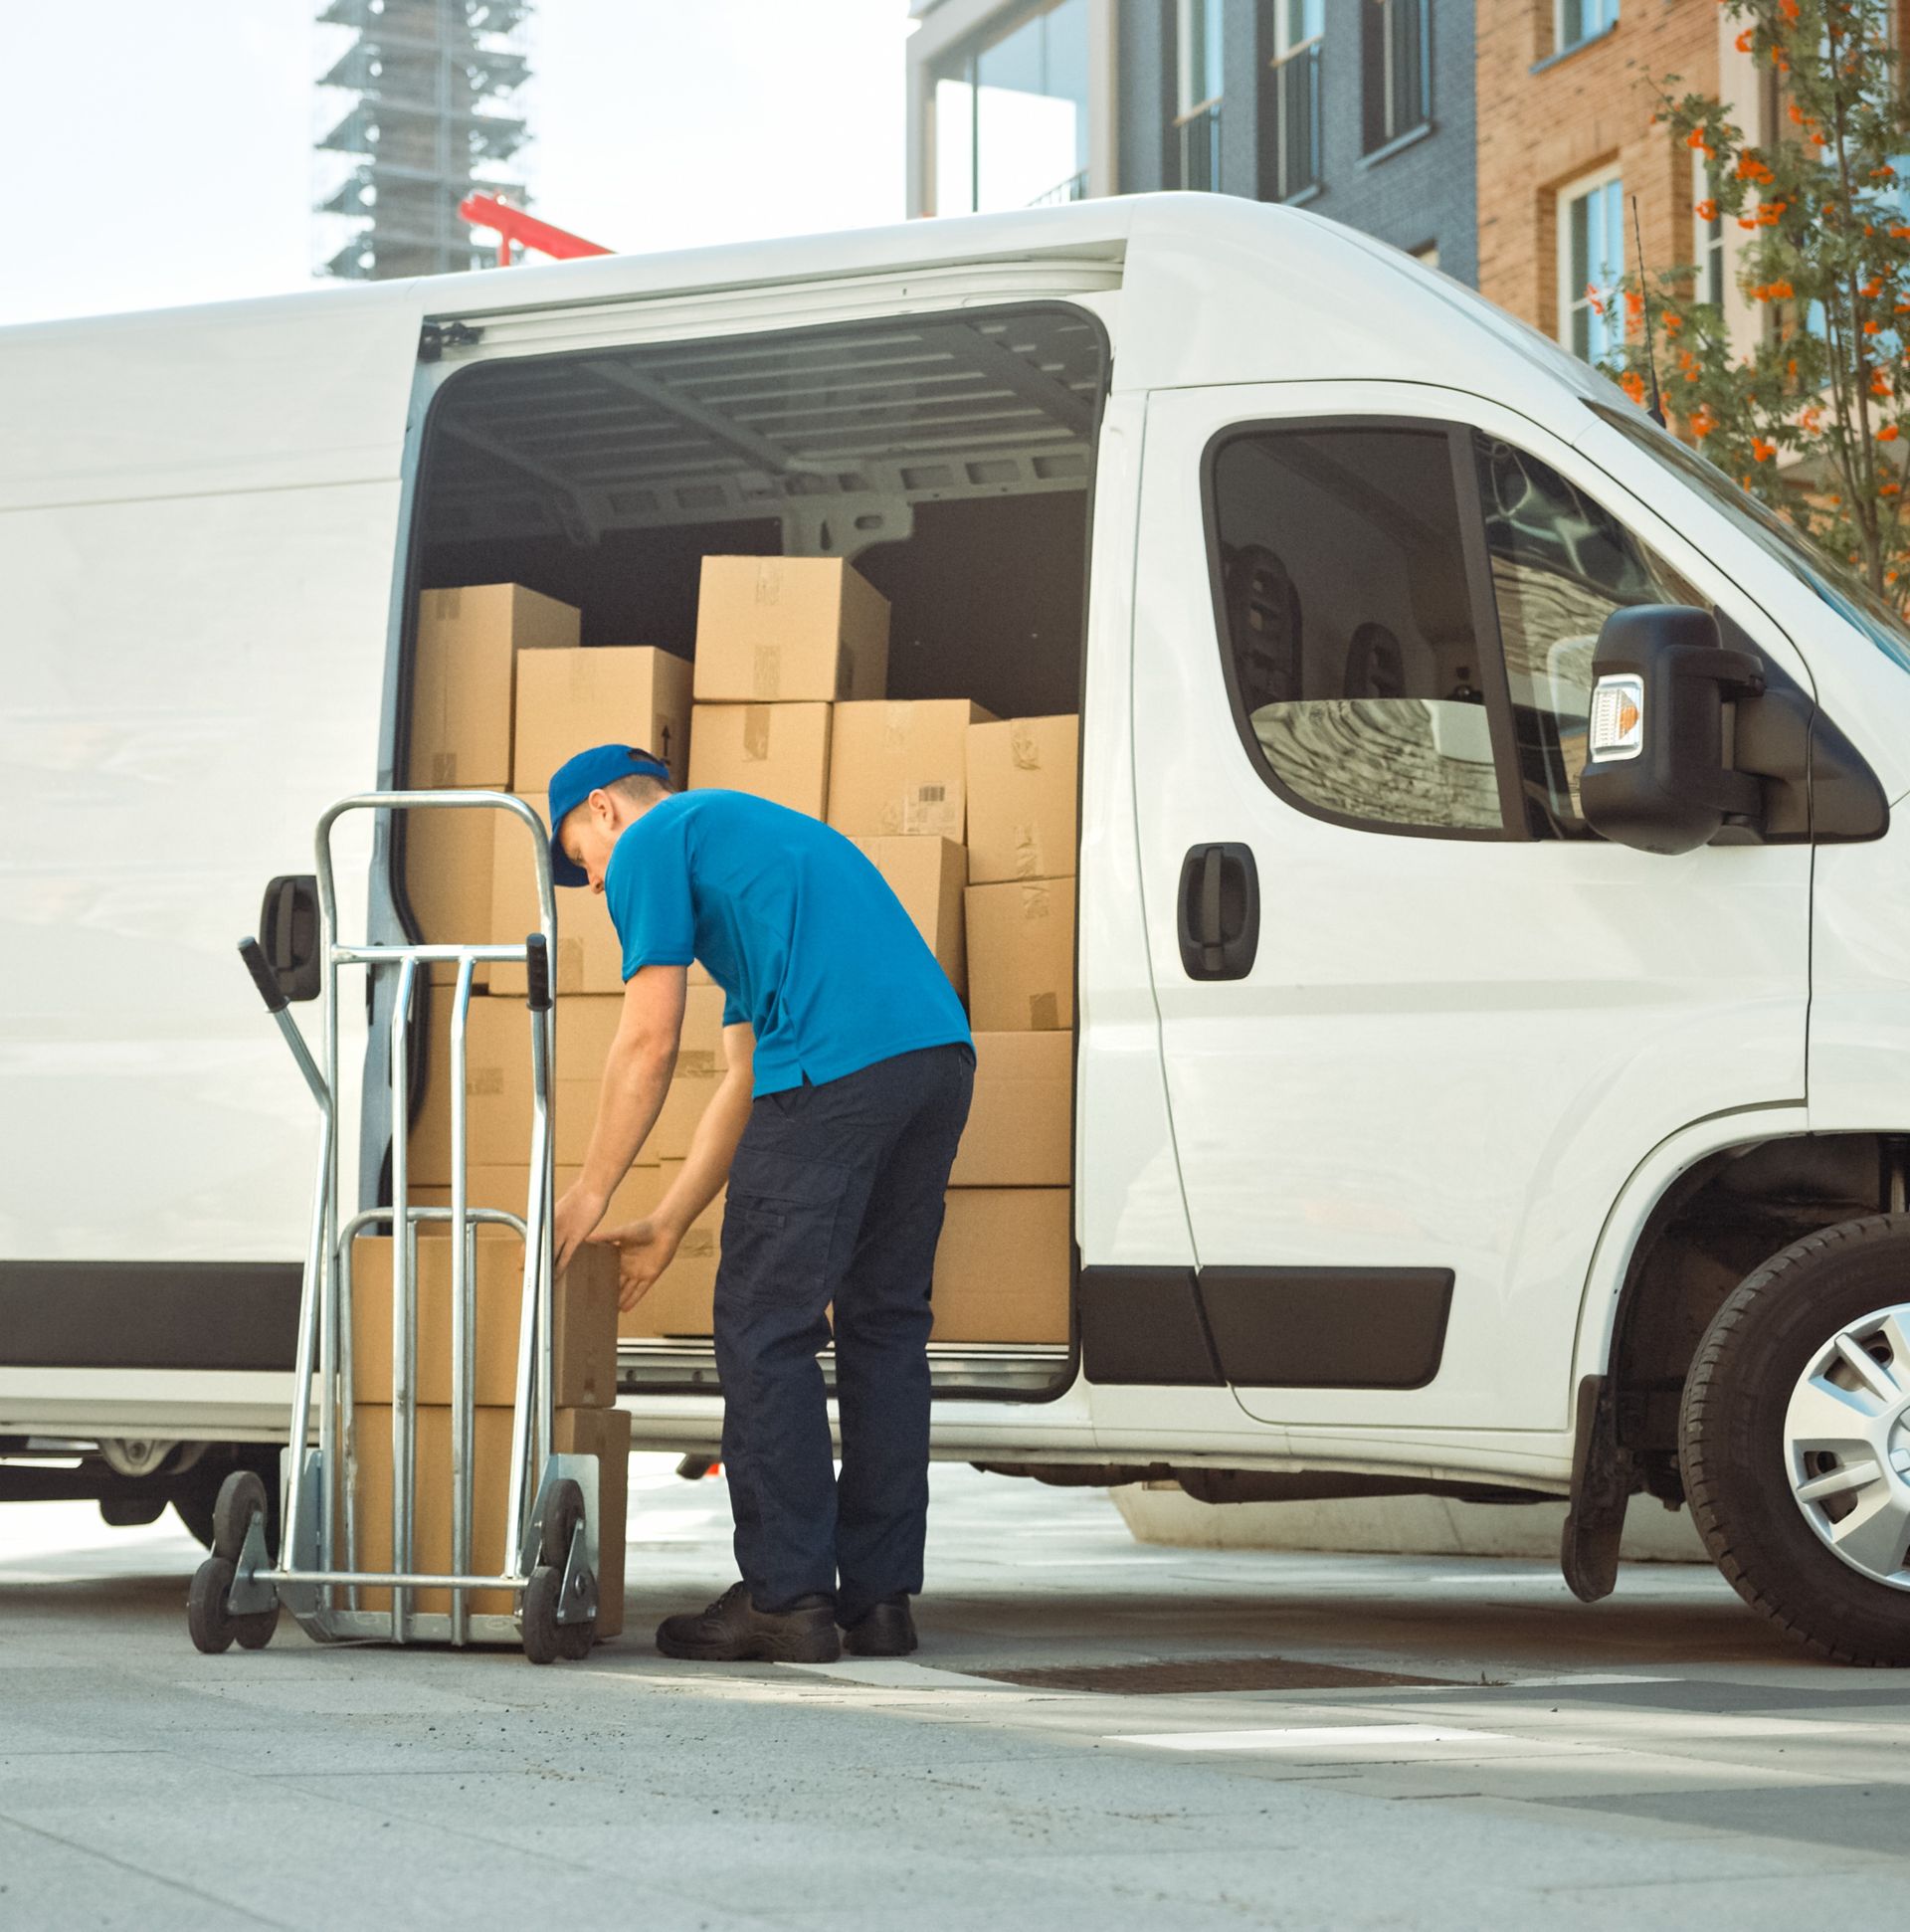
(1197, 148)
(1074, 188)
(1293, 127)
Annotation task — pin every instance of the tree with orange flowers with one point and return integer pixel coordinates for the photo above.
(1811, 416)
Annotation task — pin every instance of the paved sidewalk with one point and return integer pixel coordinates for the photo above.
(1656, 1760)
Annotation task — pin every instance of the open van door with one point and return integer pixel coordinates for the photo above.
(1419, 1022)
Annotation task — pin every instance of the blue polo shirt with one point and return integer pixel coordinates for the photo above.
(799, 929)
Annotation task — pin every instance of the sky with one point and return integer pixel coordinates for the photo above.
(163, 152)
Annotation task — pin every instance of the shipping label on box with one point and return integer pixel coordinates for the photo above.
(901, 769)
(1023, 785)
(774, 751)
(1020, 1123)
(1021, 955)
(462, 678)
(782, 630)
(1004, 1268)
(569, 700)
(928, 876)
(584, 1321)
(590, 956)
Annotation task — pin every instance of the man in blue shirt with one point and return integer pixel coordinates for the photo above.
(850, 1071)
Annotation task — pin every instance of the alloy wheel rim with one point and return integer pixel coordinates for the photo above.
(1847, 1445)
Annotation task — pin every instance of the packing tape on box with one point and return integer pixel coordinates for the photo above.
(896, 719)
(769, 581)
(698, 1064)
(444, 770)
(766, 674)
(445, 605)
(698, 1243)
(1035, 900)
(1025, 749)
(1028, 852)
(1044, 1013)
(756, 727)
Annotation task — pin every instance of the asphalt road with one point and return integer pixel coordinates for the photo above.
(1658, 1760)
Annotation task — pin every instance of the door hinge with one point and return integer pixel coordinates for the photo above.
(435, 337)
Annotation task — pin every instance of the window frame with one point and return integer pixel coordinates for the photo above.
(1580, 188)
(1385, 80)
(1610, 9)
(1513, 828)
(1283, 50)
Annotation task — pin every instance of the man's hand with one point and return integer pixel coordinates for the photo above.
(644, 1249)
(578, 1212)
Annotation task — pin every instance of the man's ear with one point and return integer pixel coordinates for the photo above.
(602, 807)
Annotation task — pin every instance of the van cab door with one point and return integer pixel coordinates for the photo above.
(1418, 1022)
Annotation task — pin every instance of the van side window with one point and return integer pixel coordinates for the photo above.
(1561, 565)
(1349, 622)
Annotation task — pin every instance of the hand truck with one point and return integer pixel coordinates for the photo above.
(553, 1522)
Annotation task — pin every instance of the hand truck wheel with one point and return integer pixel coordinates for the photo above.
(543, 1640)
(206, 1616)
(563, 1512)
(241, 1496)
(574, 1641)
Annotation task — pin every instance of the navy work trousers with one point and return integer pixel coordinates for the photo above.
(836, 1197)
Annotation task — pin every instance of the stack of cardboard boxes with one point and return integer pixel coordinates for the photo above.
(971, 820)
(584, 1385)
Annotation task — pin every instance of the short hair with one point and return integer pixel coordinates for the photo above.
(640, 787)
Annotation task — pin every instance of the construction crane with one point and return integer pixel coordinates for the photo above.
(524, 231)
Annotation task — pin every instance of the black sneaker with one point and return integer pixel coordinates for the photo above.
(733, 1631)
(884, 1629)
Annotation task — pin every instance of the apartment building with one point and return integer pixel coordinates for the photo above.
(1361, 109)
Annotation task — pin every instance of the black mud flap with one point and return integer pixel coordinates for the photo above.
(1601, 1487)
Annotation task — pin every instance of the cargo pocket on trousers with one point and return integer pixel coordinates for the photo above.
(779, 1227)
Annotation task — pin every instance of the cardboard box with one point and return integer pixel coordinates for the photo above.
(583, 1320)
(928, 876)
(603, 1433)
(498, 1090)
(590, 956)
(1021, 955)
(682, 1300)
(773, 751)
(569, 700)
(463, 679)
(781, 630)
(1020, 1126)
(1003, 1269)
(901, 770)
(1023, 783)
(447, 871)
(700, 1066)
(636, 1197)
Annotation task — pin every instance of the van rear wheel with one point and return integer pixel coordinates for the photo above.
(1795, 1441)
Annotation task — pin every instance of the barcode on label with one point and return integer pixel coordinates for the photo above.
(931, 794)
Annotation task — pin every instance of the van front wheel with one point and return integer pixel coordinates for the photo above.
(1795, 1441)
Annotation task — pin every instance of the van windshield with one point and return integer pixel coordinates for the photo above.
(1852, 598)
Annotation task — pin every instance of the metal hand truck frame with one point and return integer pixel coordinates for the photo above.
(553, 1520)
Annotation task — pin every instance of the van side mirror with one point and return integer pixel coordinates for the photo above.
(1656, 777)
(289, 934)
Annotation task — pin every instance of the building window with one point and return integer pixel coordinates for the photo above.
(1707, 238)
(1009, 112)
(1591, 264)
(1582, 20)
(1294, 125)
(1194, 158)
(1395, 69)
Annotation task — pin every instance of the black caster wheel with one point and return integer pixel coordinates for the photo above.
(563, 1512)
(574, 1641)
(241, 1497)
(212, 1628)
(543, 1638)
(255, 1629)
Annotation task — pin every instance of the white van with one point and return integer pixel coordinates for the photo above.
(1479, 1090)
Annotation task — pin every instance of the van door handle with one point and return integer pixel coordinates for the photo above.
(1219, 915)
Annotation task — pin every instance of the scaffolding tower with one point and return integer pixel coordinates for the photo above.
(430, 121)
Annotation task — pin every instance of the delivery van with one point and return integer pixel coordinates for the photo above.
(1425, 870)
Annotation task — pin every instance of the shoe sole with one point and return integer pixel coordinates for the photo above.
(856, 1649)
(766, 1650)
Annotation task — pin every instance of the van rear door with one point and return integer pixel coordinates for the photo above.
(1405, 1099)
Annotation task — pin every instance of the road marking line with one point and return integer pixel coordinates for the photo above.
(1312, 1737)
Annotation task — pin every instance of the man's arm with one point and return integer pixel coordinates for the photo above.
(636, 1081)
(649, 1246)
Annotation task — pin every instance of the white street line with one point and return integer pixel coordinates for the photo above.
(1313, 1737)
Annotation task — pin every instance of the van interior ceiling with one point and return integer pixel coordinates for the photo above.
(948, 457)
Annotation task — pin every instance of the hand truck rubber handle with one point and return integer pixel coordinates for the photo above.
(262, 977)
(536, 973)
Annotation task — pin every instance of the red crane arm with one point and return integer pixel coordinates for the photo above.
(514, 225)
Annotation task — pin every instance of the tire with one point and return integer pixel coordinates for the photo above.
(255, 1629)
(196, 1495)
(1743, 1443)
(574, 1641)
(241, 1497)
(542, 1643)
(211, 1628)
(563, 1512)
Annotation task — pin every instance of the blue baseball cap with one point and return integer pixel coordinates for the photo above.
(575, 779)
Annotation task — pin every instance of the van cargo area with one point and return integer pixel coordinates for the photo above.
(911, 670)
